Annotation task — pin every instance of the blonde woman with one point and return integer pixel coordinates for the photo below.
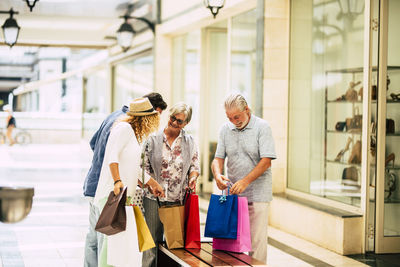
(121, 167)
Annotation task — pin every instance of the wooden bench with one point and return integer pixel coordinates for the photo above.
(205, 256)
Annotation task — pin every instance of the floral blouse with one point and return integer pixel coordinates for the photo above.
(171, 168)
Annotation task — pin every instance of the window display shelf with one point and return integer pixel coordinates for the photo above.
(346, 102)
(343, 132)
(343, 163)
(393, 134)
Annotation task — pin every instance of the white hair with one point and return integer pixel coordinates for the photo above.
(235, 101)
(181, 107)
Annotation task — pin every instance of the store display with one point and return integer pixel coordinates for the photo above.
(389, 126)
(355, 156)
(395, 97)
(350, 175)
(343, 129)
(346, 148)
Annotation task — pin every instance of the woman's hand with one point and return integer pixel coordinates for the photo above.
(192, 183)
(156, 188)
(117, 187)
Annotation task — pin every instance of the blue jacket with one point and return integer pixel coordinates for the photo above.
(98, 145)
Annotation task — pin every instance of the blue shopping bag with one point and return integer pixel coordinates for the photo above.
(222, 217)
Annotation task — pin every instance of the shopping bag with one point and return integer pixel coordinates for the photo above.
(123, 248)
(112, 218)
(243, 241)
(221, 219)
(172, 218)
(144, 236)
(192, 221)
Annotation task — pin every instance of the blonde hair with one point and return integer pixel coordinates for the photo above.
(142, 126)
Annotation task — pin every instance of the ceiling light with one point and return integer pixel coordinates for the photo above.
(126, 32)
(214, 6)
(31, 4)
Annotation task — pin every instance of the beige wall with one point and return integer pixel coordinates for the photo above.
(276, 69)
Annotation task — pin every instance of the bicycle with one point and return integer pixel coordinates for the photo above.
(20, 136)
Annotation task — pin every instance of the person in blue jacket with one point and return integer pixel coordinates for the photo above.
(98, 145)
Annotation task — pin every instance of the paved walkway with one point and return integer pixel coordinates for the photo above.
(54, 232)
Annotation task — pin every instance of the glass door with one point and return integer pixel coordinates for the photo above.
(387, 97)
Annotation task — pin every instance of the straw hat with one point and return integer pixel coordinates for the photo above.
(140, 107)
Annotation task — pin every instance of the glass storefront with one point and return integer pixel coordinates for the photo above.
(132, 78)
(243, 55)
(325, 99)
(186, 76)
(218, 59)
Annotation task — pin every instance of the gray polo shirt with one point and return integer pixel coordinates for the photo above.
(244, 150)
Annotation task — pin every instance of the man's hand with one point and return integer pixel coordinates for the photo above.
(239, 187)
(222, 181)
(117, 187)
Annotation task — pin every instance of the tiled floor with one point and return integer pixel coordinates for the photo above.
(54, 232)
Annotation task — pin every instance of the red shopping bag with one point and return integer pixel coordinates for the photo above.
(192, 221)
(243, 241)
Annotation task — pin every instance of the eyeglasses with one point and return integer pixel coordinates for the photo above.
(173, 118)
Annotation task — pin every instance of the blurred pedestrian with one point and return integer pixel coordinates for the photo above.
(98, 145)
(248, 144)
(11, 124)
(171, 157)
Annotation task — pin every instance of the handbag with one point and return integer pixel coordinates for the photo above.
(390, 126)
(243, 241)
(355, 156)
(173, 220)
(112, 218)
(192, 221)
(222, 216)
(137, 198)
(354, 123)
(340, 126)
(350, 175)
(145, 239)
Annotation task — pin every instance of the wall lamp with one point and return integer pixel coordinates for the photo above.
(10, 28)
(31, 3)
(126, 32)
(214, 6)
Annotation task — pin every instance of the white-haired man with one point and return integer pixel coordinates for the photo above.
(248, 144)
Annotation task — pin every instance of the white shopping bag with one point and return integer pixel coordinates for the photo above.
(123, 248)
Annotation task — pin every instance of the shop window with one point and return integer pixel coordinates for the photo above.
(132, 78)
(325, 110)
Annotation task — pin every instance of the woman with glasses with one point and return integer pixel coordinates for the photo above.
(171, 157)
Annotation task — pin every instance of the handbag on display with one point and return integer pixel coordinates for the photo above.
(243, 241)
(390, 126)
(355, 156)
(222, 216)
(350, 175)
(355, 123)
(112, 218)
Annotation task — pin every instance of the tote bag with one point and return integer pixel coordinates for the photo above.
(222, 216)
(173, 220)
(112, 218)
(243, 241)
(192, 221)
(144, 236)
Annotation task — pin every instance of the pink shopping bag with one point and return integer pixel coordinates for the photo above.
(243, 241)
